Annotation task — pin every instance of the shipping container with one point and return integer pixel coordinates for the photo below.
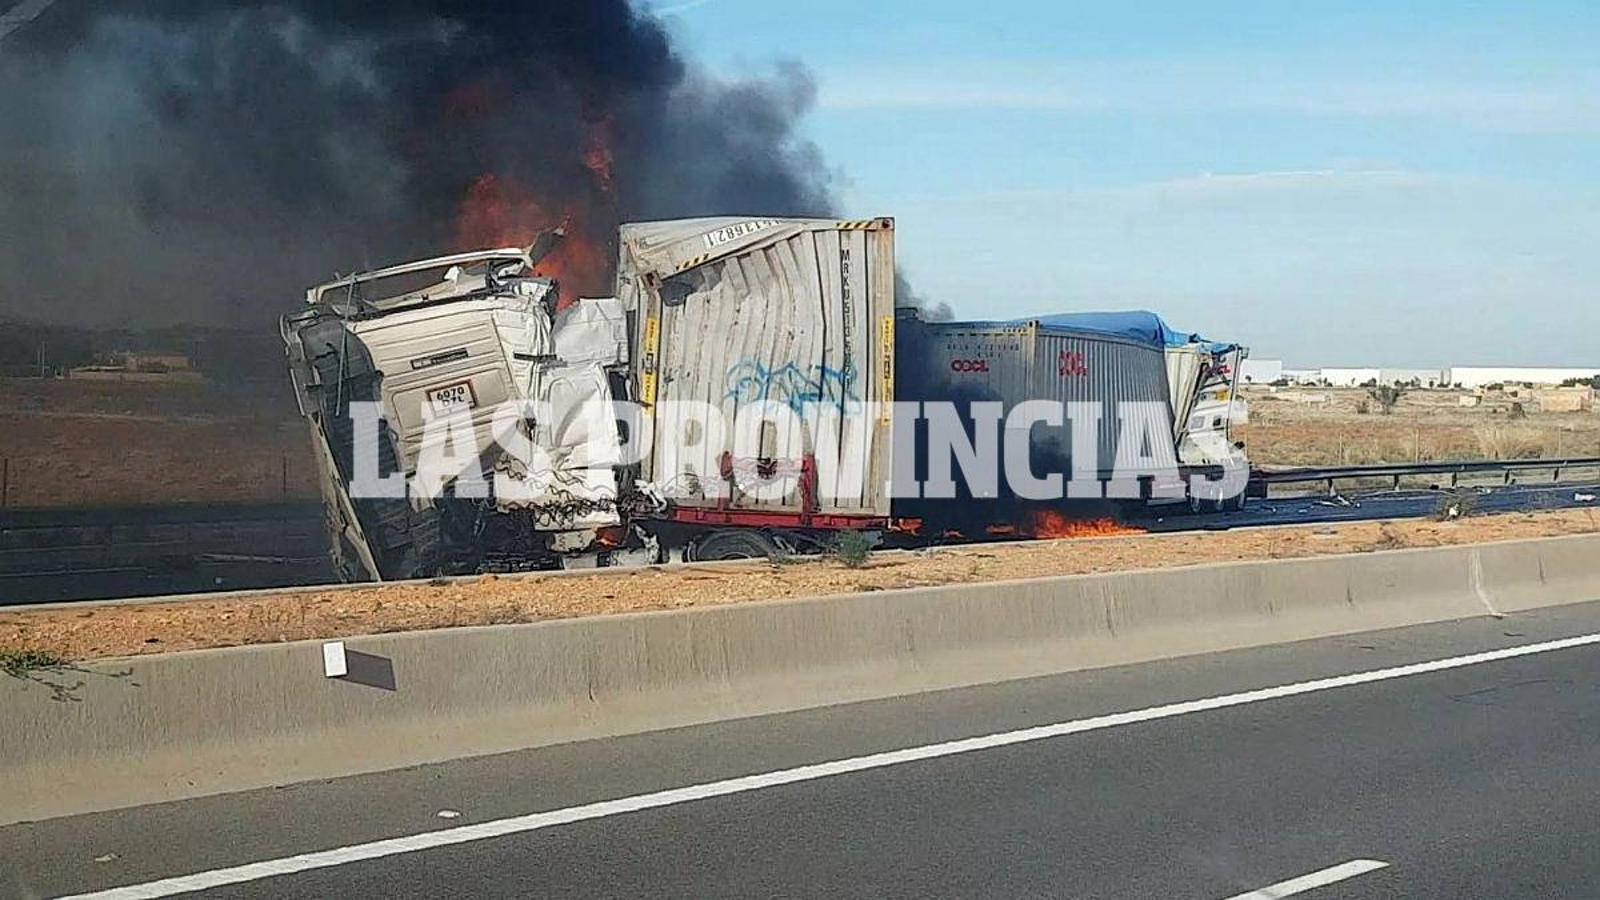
(1065, 359)
(736, 312)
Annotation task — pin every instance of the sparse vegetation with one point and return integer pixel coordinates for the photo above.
(852, 549)
(1387, 396)
(21, 663)
(1326, 427)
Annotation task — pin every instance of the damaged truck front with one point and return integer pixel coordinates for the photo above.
(375, 358)
(454, 408)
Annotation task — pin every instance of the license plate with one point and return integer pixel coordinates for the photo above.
(452, 398)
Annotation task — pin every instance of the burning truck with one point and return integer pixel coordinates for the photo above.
(752, 392)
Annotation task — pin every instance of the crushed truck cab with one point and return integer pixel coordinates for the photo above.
(458, 339)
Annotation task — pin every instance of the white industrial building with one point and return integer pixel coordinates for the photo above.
(1421, 377)
(1261, 371)
(1346, 377)
(1479, 376)
(1272, 371)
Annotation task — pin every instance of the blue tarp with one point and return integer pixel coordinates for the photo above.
(1139, 325)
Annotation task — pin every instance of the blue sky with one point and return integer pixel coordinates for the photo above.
(1332, 184)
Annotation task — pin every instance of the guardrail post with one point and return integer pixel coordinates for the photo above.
(5, 483)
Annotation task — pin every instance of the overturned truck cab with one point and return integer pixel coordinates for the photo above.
(380, 360)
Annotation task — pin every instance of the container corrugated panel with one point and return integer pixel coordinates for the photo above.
(733, 312)
(966, 362)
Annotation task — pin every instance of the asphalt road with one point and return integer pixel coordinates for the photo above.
(1366, 506)
(1481, 780)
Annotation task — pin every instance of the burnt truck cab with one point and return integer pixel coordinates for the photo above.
(378, 358)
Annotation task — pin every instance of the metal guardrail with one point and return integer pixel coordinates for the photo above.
(1508, 469)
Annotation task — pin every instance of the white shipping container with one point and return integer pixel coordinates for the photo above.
(1014, 362)
(733, 312)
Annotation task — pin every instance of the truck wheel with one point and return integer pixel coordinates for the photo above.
(733, 545)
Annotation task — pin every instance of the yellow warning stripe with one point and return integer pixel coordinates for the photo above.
(857, 225)
(700, 260)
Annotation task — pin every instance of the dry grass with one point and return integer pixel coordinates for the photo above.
(71, 443)
(1425, 426)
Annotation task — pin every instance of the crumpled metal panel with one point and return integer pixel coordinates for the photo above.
(734, 312)
(592, 330)
(1185, 365)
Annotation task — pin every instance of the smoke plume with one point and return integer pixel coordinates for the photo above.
(185, 161)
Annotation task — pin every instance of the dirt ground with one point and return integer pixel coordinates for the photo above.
(114, 631)
(73, 443)
(1323, 426)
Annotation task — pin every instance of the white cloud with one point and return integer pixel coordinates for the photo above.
(675, 8)
(1209, 184)
(1572, 105)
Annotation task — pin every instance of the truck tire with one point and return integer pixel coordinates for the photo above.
(732, 544)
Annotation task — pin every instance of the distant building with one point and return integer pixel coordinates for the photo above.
(1479, 376)
(1571, 399)
(1261, 371)
(1361, 377)
(1342, 377)
(1427, 378)
(156, 362)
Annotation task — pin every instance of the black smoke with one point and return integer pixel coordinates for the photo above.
(929, 310)
(204, 162)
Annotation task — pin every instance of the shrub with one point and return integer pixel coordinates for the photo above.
(18, 663)
(1387, 397)
(852, 549)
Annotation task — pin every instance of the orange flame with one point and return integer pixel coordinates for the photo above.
(499, 212)
(1046, 523)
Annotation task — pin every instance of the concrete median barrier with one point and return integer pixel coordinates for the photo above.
(126, 732)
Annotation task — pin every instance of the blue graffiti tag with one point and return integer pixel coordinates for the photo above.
(752, 382)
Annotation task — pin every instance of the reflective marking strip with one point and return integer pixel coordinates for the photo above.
(1330, 875)
(886, 375)
(696, 261)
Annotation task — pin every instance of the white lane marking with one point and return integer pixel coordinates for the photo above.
(1315, 880)
(536, 821)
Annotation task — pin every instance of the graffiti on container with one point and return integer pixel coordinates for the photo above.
(752, 382)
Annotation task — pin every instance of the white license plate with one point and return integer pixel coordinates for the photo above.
(452, 398)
